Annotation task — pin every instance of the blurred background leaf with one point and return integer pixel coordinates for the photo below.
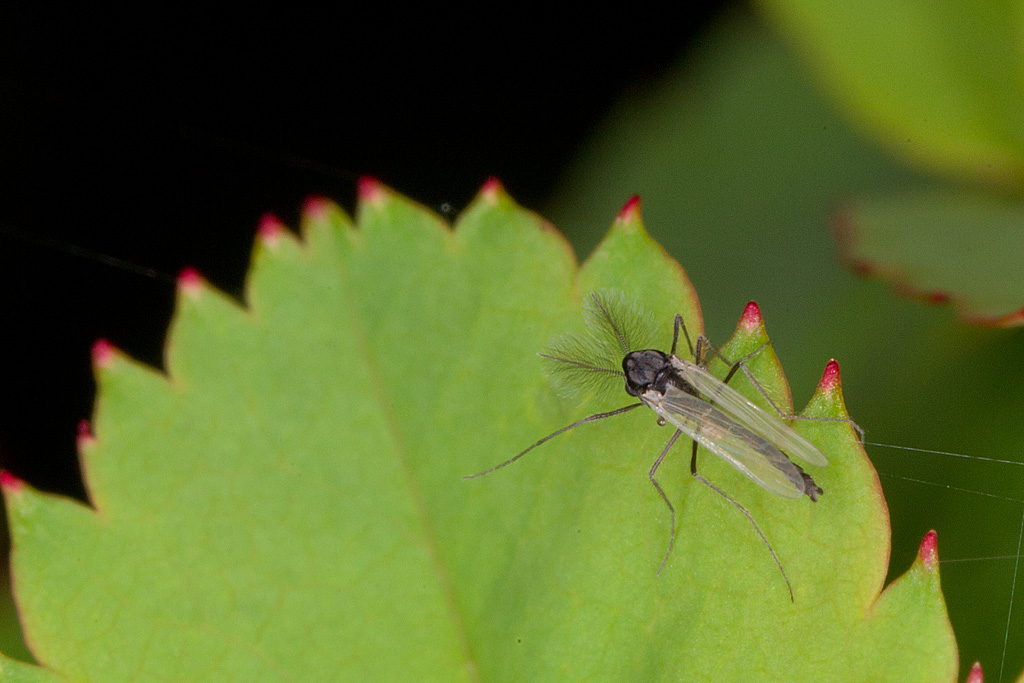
(974, 253)
(940, 84)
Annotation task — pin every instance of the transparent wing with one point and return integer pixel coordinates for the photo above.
(752, 455)
(742, 411)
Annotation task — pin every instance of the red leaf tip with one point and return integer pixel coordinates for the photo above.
(630, 211)
(85, 433)
(830, 379)
(976, 675)
(490, 189)
(929, 551)
(9, 482)
(370, 190)
(102, 353)
(316, 207)
(751, 318)
(269, 230)
(189, 281)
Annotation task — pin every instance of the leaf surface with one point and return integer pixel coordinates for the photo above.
(286, 502)
(942, 82)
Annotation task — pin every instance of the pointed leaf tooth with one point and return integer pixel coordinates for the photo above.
(630, 211)
(914, 603)
(274, 242)
(928, 553)
(190, 282)
(371, 191)
(270, 230)
(661, 287)
(317, 207)
(827, 400)
(320, 214)
(10, 483)
(103, 353)
(205, 338)
(750, 341)
(327, 236)
(492, 190)
(750, 333)
(830, 378)
(751, 318)
(387, 215)
(501, 225)
(85, 445)
(85, 436)
(134, 408)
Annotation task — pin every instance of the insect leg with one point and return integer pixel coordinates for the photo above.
(705, 349)
(577, 423)
(750, 518)
(661, 492)
(741, 365)
(679, 324)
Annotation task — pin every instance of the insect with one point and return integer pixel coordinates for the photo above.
(686, 396)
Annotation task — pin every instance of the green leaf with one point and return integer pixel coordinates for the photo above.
(963, 248)
(286, 502)
(942, 82)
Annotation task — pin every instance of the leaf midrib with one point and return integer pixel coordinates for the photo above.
(401, 453)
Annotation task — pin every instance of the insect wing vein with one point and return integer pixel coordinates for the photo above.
(753, 456)
(745, 413)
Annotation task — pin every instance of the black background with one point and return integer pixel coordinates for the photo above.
(160, 140)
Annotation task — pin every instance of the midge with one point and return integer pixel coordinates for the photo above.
(684, 394)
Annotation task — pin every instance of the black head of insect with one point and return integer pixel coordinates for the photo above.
(651, 369)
